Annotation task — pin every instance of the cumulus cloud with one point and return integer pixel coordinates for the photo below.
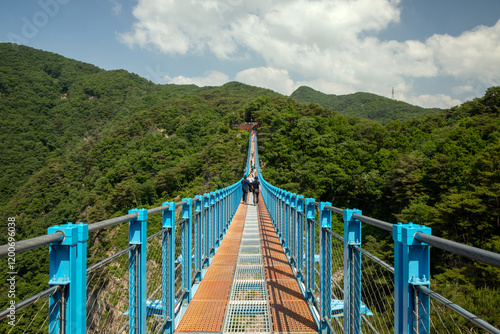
(275, 79)
(473, 54)
(211, 78)
(432, 101)
(330, 43)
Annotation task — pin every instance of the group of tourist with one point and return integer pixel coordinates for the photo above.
(250, 183)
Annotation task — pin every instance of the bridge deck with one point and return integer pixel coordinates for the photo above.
(247, 289)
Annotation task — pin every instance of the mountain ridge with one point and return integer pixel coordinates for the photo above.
(363, 104)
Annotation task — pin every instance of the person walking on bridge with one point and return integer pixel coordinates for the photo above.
(245, 186)
(256, 190)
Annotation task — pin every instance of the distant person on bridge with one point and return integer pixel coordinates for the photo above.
(250, 180)
(256, 190)
(245, 186)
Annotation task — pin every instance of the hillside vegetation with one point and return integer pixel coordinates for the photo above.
(83, 144)
(363, 105)
(442, 170)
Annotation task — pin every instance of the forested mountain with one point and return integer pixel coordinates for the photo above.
(82, 144)
(364, 105)
(441, 170)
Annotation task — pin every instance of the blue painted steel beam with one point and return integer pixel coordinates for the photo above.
(300, 237)
(411, 268)
(137, 271)
(198, 235)
(68, 267)
(206, 227)
(168, 268)
(352, 273)
(187, 215)
(309, 270)
(325, 219)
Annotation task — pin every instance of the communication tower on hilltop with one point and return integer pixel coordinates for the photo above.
(393, 93)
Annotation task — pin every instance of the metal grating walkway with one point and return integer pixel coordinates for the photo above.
(249, 286)
(248, 310)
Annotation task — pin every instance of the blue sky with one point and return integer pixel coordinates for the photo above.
(434, 53)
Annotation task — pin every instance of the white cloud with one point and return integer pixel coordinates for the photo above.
(431, 101)
(117, 7)
(330, 43)
(275, 79)
(474, 54)
(211, 78)
(462, 89)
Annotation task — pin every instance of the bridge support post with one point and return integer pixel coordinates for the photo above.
(206, 228)
(137, 234)
(187, 215)
(287, 223)
(280, 200)
(213, 242)
(412, 268)
(168, 268)
(270, 199)
(225, 211)
(68, 267)
(218, 212)
(352, 273)
(300, 237)
(309, 269)
(198, 221)
(293, 230)
(325, 265)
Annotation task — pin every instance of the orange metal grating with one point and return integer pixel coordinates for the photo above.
(216, 272)
(292, 316)
(213, 290)
(279, 272)
(205, 313)
(203, 316)
(289, 311)
(227, 249)
(280, 290)
(225, 259)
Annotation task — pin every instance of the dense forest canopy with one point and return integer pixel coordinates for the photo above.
(364, 105)
(83, 144)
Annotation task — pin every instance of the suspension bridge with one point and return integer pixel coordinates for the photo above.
(212, 264)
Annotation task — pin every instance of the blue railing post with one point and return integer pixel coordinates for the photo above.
(352, 272)
(217, 217)
(137, 233)
(225, 215)
(282, 215)
(411, 268)
(68, 267)
(276, 209)
(198, 231)
(286, 228)
(293, 227)
(213, 222)
(206, 228)
(168, 268)
(300, 237)
(310, 215)
(187, 216)
(325, 220)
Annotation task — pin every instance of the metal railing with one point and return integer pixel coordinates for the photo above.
(140, 288)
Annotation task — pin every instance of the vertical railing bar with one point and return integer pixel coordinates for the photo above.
(63, 310)
(136, 287)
